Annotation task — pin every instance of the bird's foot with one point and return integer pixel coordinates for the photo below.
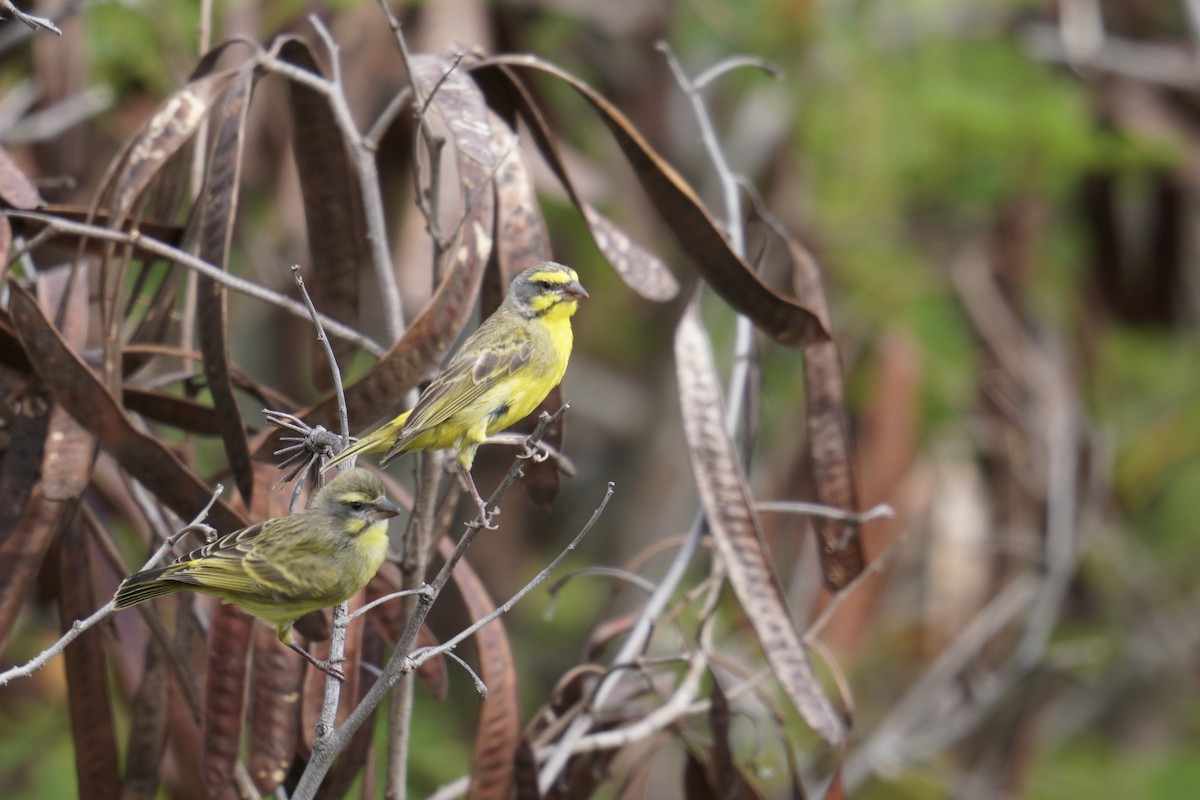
(328, 667)
(535, 451)
(484, 520)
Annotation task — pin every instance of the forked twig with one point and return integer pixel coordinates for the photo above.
(329, 744)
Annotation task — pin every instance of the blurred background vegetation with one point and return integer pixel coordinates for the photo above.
(1057, 140)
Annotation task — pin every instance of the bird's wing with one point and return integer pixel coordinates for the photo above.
(464, 381)
(219, 565)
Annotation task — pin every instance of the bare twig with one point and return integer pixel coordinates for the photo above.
(874, 568)
(507, 605)
(385, 119)
(326, 748)
(337, 637)
(334, 372)
(881, 511)
(605, 572)
(148, 244)
(358, 612)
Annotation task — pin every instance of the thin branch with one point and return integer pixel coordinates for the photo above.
(875, 567)
(881, 511)
(358, 612)
(34, 23)
(546, 450)
(326, 748)
(722, 68)
(337, 637)
(384, 121)
(480, 687)
(604, 572)
(334, 371)
(369, 186)
(79, 626)
(153, 246)
(504, 608)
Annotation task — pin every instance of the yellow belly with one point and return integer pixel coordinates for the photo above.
(511, 399)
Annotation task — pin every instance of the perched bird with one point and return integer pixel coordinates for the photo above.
(499, 375)
(281, 569)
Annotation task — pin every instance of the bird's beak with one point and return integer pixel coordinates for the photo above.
(575, 291)
(384, 509)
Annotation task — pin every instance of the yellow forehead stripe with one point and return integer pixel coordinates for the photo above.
(354, 497)
(554, 276)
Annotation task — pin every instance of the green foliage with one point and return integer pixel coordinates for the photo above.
(1095, 768)
(129, 48)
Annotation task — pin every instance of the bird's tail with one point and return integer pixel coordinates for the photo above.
(374, 442)
(144, 586)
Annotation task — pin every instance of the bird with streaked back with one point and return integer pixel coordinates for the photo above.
(283, 568)
(499, 375)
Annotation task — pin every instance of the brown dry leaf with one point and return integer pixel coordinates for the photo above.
(835, 470)
(522, 239)
(525, 771)
(12, 355)
(640, 269)
(21, 555)
(15, 187)
(172, 125)
(724, 769)
(411, 360)
(171, 409)
(147, 729)
(94, 737)
(19, 471)
(499, 726)
(701, 778)
(6, 240)
(229, 635)
(51, 446)
(213, 218)
(887, 444)
(734, 526)
(274, 725)
(69, 452)
(786, 320)
(80, 392)
(337, 238)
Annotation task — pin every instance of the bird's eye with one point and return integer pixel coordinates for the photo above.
(545, 286)
(357, 506)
